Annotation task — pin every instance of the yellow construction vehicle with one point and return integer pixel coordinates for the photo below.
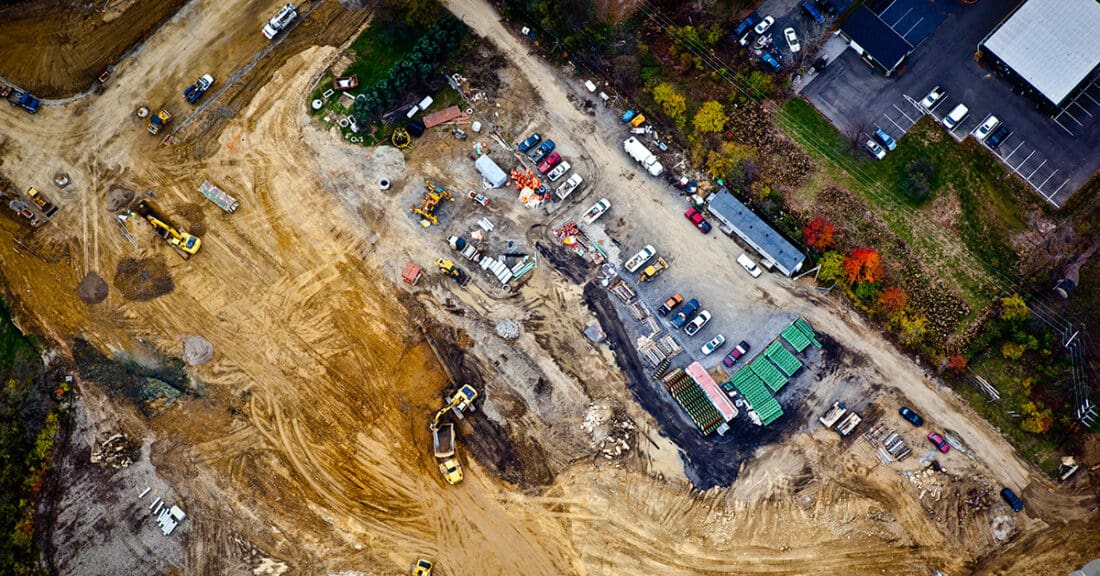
(422, 568)
(430, 202)
(443, 435)
(447, 267)
(183, 242)
(158, 121)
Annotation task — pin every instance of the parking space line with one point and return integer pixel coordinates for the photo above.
(1005, 158)
(915, 24)
(1086, 95)
(1055, 193)
(898, 21)
(1036, 170)
(911, 121)
(1070, 132)
(1083, 109)
(895, 123)
(1021, 164)
(1072, 117)
(1047, 180)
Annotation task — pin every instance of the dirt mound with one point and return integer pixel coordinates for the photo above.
(197, 350)
(92, 289)
(143, 279)
(195, 217)
(119, 198)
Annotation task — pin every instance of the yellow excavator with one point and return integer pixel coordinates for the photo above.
(183, 242)
(434, 195)
(443, 435)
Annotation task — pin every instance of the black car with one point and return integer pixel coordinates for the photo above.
(1012, 499)
(828, 7)
(999, 135)
(911, 416)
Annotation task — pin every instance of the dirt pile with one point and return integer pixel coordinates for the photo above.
(92, 289)
(119, 198)
(197, 350)
(143, 279)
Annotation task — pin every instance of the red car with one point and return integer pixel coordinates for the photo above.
(736, 354)
(697, 219)
(940, 443)
(550, 161)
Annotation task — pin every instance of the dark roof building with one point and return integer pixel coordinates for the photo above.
(749, 227)
(1051, 45)
(874, 40)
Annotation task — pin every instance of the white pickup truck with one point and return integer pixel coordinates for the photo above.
(280, 21)
(643, 156)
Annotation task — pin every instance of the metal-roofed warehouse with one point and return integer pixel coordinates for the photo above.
(878, 44)
(755, 232)
(1052, 45)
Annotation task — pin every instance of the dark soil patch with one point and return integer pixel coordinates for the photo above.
(195, 217)
(143, 279)
(148, 386)
(119, 198)
(574, 269)
(708, 461)
(92, 289)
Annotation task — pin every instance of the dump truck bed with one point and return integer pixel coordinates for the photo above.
(219, 197)
(443, 441)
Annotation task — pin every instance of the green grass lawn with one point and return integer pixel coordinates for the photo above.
(991, 202)
(374, 52)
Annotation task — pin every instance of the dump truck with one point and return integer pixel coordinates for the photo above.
(45, 205)
(643, 156)
(833, 415)
(654, 270)
(443, 437)
(24, 100)
(219, 197)
(196, 90)
(182, 242)
(158, 121)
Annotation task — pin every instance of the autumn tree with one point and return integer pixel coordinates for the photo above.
(1013, 351)
(957, 363)
(671, 101)
(831, 267)
(863, 265)
(710, 118)
(892, 301)
(1013, 308)
(720, 162)
(818, 234)
(911, 326)
(1037, 418)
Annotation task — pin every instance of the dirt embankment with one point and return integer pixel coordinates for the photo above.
(56, 48)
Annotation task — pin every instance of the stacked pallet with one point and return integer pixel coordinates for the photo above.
(756, 394)
(694, 401)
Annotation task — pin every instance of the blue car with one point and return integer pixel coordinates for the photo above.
(529, 142)
(813, 12)
(885, 138)
(542, 151)
(743, 27)
(771, 61)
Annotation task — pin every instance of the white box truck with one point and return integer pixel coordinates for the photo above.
(643, 156)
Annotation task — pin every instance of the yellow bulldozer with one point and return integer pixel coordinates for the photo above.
(430, 202)
(443, 435)
(158, 121)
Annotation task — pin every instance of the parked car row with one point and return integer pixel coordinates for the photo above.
(991, 131)
(875, 144)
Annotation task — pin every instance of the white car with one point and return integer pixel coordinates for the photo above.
(953, 118)
(989, 125)
(713, 344)
(749, 265)
(764, 24)
(558, 171)
(697, 324)
(875, 149)
(644, 255)
(792, 40)
(933, 98)
(598, 209)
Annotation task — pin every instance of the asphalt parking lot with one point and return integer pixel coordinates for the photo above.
(788, 14)
(1055, 156)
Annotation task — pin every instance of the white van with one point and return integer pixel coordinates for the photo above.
(989, 125)
(957, 114)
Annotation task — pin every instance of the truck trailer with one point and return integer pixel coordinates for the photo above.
(643, 156)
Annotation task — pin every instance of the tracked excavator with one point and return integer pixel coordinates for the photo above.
(443, 435)
(184, 243)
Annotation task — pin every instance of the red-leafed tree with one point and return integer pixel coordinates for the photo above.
(957, 363)
(818, 234)
(863, 265)
(892, 300)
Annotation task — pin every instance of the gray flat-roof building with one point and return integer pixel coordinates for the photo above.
(1052, 45)
(749, 227)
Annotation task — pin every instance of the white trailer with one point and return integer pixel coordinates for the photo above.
(643, 156)
(219, 197)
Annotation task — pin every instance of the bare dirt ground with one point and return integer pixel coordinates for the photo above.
(302, 447)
